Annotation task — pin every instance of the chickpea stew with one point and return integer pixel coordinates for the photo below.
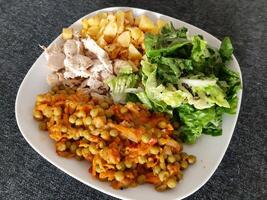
(126, 145)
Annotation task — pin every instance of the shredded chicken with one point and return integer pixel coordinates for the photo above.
(55, 57)
(79, 64)
(53, 79)
(92, 46)
(95, 85)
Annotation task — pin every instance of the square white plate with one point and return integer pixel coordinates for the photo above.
(209, 150)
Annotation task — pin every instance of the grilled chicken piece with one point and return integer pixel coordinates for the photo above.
(55, 57)
(93, 47)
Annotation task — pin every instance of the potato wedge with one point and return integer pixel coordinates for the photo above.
(120, 16)
(110, 31)
(102, 15)
(67, 33)
(93, 31)
(134, 54)
(124, 39)
(146, 24)
(113, 50)
(160, 23)
(136, 33)
(85, 24)
(101, 41)
(129, 18)
(111, 17)
(137, 21)
(93, 21)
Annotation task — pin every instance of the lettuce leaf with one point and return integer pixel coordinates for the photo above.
(170, 41)
(121, 85)
(226, 49)
(170, 69)
(195, 122)
(199, 50)
(203, 92)
(157, 96)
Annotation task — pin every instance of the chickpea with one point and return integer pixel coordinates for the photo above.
(163, 175)
(79, 122)
(191, 159)
(64, 129)
(119, 176)
(94, 112)
(171, 183)
(61, 146)
(156, 169)
(79, 152)
(105, 135)
(171, 159)
(93, 149)
(128, 164)
(81, 114)
(162, 124)
(123, 110)
(37, 115)
(120, 166)
(85, 152)
(183, 164)
(48, 112)
(99, 122)
(72, 119)
(113, 132)
(154, 150)
(142, 159)
(57, 111)
(87, 121)
(145, 138)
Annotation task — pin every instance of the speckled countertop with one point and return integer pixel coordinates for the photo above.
(24, 24)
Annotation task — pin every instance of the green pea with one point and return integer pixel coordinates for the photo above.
(120, 166)
(93, 149)
(119, 176)
(145, 138)
(171, 159)
(183, 164)
(162, 124)
(87, 121)
(123, 110)
(94, 112)
(156, 169)
(113, 132)
(72, 119)
(154, 150)
(191, 159)
(142, 159)
(171, 183)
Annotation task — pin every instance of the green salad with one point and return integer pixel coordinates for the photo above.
(184, 77)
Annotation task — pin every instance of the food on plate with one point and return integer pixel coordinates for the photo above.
(188, 79)
(127, 91)
(126, 145)
(120, 33)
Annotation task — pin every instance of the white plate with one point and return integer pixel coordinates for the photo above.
(209, 150)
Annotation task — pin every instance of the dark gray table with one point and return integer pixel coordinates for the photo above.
(24, 24)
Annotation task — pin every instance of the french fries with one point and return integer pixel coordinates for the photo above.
(120, 33)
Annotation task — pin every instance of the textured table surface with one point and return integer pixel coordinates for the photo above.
(24, 24)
